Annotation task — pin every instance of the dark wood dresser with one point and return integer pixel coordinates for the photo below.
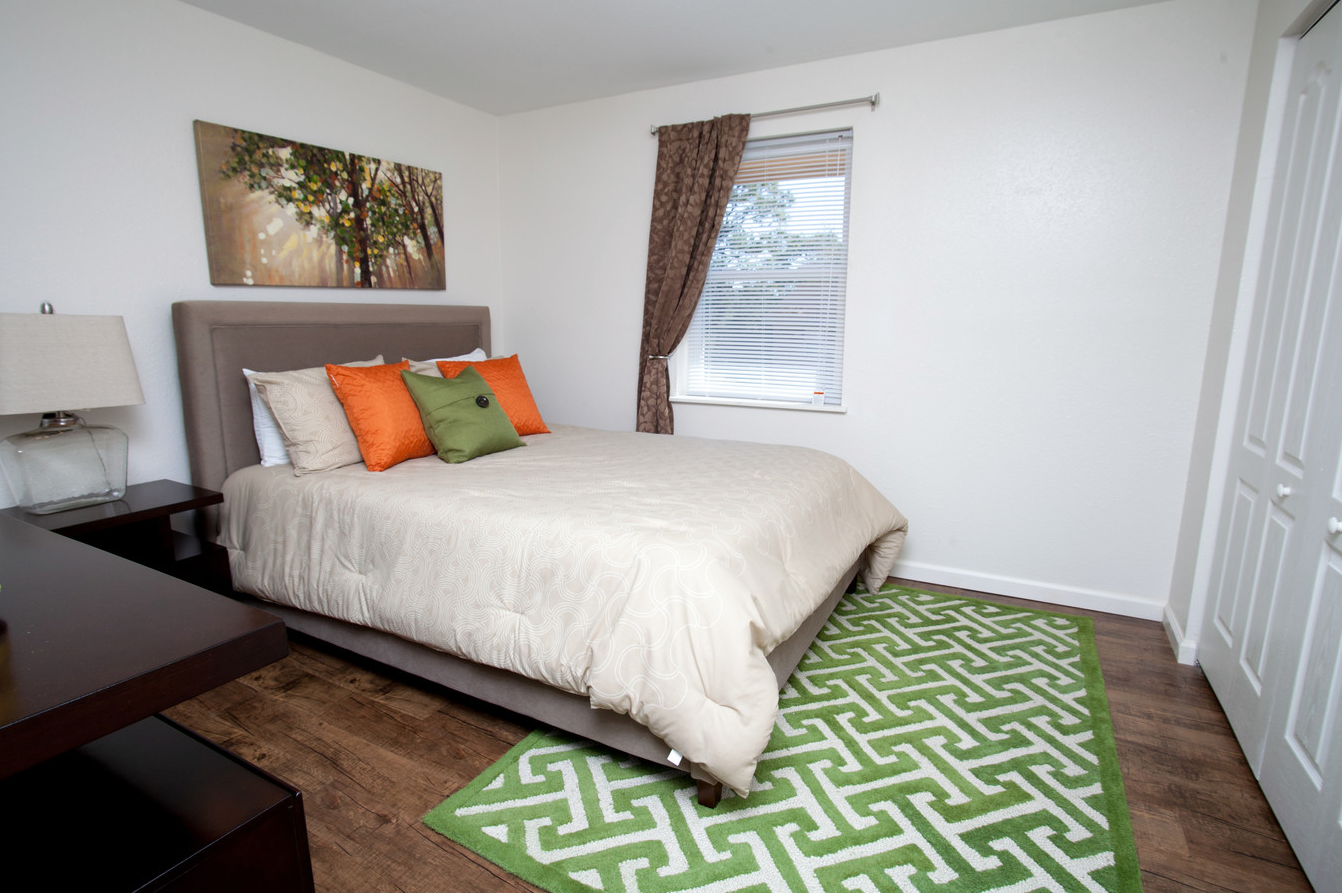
(96, 790)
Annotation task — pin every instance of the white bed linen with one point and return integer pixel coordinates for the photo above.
(652, 574)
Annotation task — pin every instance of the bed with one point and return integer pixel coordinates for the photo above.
(585, 570)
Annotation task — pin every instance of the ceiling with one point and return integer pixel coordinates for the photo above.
(506, 56)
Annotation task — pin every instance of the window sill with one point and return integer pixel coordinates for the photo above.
(759, 404)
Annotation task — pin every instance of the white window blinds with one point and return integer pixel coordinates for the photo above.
(769, 325)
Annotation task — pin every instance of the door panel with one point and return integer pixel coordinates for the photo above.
(1267, 588)
(1316, 698)
(1300, 174)
(1228, 586)
(1302, 762)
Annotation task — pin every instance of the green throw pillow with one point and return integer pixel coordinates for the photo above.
(461, 415)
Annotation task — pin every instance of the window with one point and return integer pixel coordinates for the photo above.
(769, 325)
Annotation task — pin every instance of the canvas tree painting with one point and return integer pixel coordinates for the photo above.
(281, 212)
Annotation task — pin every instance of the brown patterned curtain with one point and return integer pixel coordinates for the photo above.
(696, 165)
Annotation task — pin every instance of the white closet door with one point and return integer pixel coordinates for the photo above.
(1272, 642)
(1270, 477)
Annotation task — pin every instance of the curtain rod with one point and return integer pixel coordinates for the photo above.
(874, 100)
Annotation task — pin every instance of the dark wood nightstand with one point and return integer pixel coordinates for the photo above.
(139, 527)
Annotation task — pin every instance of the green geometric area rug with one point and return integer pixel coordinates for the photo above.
(925, 743)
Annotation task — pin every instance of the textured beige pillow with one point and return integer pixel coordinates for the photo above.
(311, 420)
(430, 367)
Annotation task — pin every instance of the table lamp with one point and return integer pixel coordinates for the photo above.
(49, 360)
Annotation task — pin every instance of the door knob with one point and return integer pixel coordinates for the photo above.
(1334, 525)
(1283, 491)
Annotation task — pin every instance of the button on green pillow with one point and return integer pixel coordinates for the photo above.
(461, 415)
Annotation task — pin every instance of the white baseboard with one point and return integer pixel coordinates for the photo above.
(1185, 649)
(1087, 599)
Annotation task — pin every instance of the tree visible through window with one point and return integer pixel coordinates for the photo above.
(769, 325)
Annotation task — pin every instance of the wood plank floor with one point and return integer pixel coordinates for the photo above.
(373, 750)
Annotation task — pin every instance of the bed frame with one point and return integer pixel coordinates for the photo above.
(216, 340)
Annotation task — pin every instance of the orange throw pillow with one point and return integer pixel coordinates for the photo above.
(382, 413)
(504, 377)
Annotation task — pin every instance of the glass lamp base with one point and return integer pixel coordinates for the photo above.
(65, 464)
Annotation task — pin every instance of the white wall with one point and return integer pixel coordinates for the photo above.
(1037, 226)
(101, 197)
(1036, 230)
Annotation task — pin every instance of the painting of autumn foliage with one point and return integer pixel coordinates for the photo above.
(281, 212)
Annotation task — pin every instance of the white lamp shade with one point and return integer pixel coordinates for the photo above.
(57, 361)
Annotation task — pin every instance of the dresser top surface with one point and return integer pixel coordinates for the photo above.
(93, 642)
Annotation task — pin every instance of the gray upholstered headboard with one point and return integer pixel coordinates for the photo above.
(216, 340)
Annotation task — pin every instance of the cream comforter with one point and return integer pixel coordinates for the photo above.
(652, 574)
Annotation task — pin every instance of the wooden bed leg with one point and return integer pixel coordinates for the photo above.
(710, 793)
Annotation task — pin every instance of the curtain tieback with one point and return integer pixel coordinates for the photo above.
(659, 356)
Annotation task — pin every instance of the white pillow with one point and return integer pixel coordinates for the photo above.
(268, 439)
(269, 436)
(430, 367)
